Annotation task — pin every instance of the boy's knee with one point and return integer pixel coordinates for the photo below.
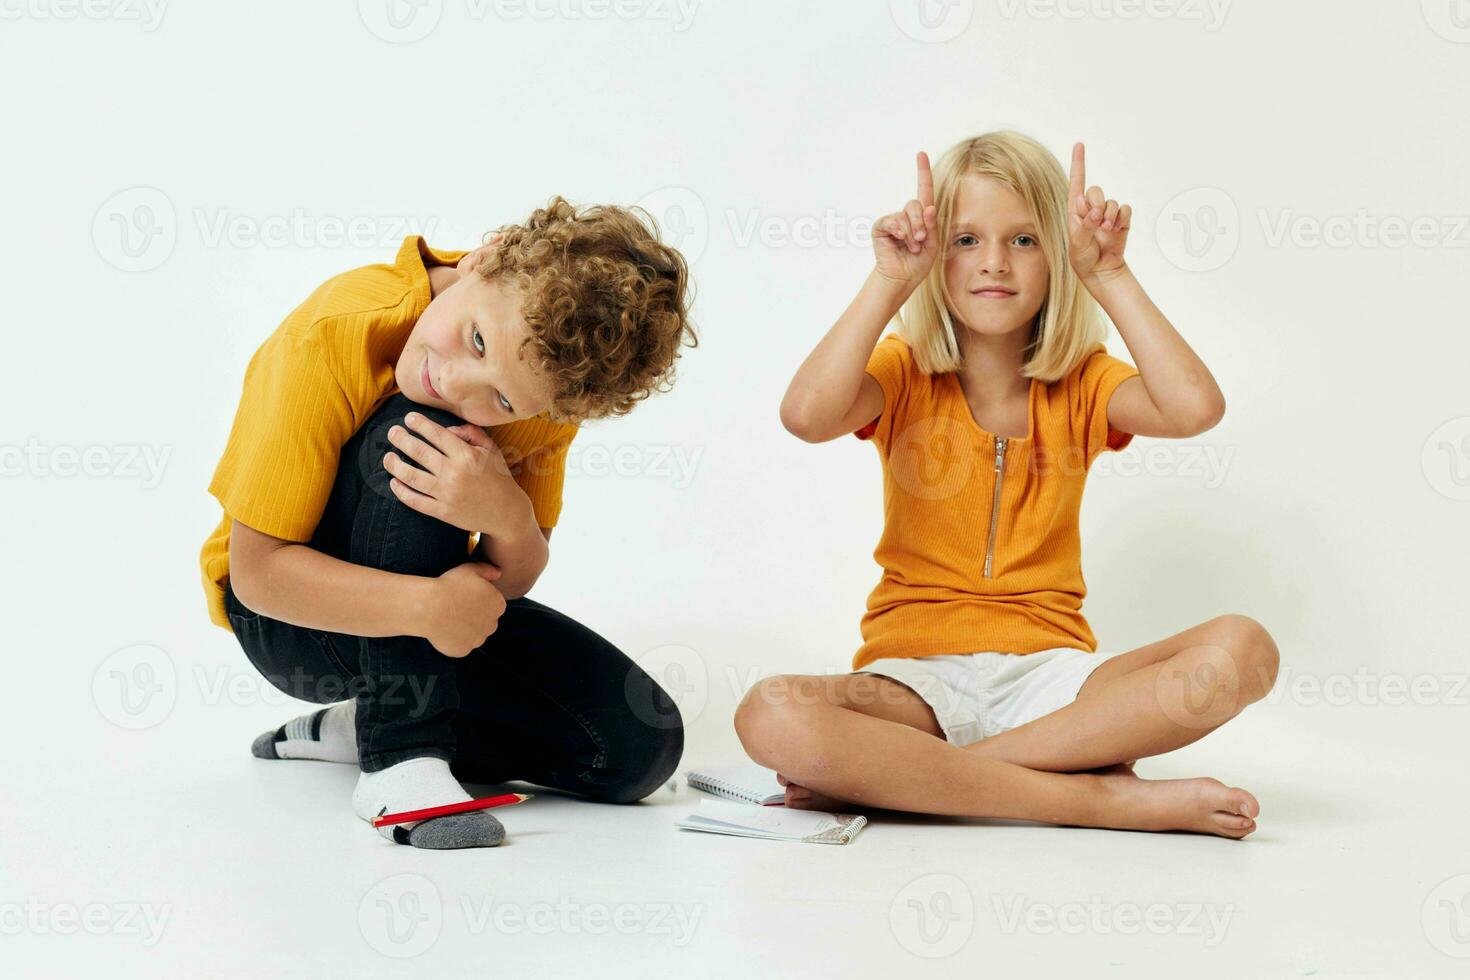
(644, 764)
(418, 543)
(393, 412)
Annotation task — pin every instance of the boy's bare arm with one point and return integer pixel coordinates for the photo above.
(519, 549)
(297, 584)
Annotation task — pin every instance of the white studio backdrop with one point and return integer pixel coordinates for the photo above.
(179, 175)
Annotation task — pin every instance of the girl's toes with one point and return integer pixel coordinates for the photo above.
(1244, 803)
(1231, 799)
(1232, 824)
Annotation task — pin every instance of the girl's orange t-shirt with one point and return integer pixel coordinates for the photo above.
(981, 549)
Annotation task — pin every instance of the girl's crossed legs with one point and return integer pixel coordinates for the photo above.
(875, 742)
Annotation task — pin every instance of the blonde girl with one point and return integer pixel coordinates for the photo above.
(978, 689)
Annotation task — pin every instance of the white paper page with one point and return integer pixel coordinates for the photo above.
(768, 820)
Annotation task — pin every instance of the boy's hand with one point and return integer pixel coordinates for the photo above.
(906, 242)
(465, 610)
(468, 482)
(1099, 226)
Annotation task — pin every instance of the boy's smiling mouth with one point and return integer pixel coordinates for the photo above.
(424, 379)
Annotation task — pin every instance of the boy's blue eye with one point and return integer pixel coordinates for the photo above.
(477, 340)
(505, 404)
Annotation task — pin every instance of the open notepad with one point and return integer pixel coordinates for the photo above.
(773, 822)
(745, 783)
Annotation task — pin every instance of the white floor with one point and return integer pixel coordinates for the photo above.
(179, 854)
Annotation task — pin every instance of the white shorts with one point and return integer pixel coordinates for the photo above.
(977, 695)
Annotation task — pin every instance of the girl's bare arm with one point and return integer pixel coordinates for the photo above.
(832, 394)
(1175, 395)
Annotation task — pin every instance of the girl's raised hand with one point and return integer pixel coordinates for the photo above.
(1099, 226)
(906, 242)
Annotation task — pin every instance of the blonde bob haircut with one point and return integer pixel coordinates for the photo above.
(1068, 326)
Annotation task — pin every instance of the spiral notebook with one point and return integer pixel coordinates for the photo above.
(773, 822)
(743, 783)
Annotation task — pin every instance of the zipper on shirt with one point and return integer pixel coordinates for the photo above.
(1000, 469)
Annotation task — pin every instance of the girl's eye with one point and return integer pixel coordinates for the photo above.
(1028, 238)
(505, 404)
(965, 240)
(477, 340)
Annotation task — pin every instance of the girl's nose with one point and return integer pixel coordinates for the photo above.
(993, 259)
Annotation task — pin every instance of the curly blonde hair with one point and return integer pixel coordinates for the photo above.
(605, 300)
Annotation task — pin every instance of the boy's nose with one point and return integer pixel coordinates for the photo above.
(449, 382)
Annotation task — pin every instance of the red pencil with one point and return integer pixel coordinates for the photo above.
(485, 803)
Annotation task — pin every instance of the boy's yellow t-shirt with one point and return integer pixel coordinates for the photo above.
(939, 481)
(312, 385)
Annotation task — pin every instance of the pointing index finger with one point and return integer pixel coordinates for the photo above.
(1079, 175)
(926, 181)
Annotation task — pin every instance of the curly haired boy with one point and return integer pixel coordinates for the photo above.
(389, 487)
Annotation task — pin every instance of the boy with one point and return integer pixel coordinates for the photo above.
(357, 471)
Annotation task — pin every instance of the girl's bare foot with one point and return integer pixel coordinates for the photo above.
(801, 798)
(1204, 806)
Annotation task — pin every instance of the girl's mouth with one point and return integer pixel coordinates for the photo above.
(424, 379)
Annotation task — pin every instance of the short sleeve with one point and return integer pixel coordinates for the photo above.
(889, 365)
(280, 462)
(1098, 378)
(536, 450)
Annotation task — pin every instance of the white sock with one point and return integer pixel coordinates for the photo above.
(329, 735)
(415, 784)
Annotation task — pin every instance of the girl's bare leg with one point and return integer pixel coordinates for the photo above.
(817, 732)
(1149, 701)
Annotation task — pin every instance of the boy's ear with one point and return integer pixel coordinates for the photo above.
(472, 260)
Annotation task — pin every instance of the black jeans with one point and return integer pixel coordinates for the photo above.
(544, 699)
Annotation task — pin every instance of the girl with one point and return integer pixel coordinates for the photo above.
(978, 690)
